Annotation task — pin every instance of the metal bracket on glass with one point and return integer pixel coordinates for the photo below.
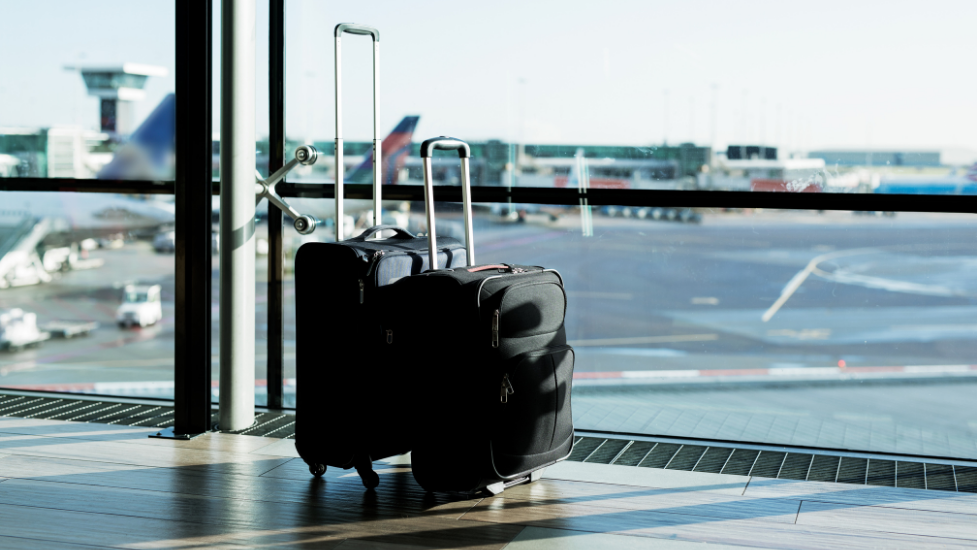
(265, 188)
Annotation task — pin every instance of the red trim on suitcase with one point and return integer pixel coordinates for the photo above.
(484, 267)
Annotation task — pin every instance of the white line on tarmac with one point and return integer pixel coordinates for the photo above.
(803, 274)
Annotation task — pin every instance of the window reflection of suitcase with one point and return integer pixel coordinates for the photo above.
(486, 348)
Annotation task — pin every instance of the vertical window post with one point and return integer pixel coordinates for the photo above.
(192, 377)
(276, 252)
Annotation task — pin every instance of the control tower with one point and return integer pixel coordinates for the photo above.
(118, 87)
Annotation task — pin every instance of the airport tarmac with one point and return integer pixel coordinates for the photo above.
(751, 291)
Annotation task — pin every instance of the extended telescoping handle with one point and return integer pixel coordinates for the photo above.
(354, 28)
(464, 153)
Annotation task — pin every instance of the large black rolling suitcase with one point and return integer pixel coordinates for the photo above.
(348, 401)
(493, 370)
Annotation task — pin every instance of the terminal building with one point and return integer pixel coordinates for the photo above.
(868, 157)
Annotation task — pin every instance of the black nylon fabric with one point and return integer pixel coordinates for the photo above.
(346, 399)
(440, 324)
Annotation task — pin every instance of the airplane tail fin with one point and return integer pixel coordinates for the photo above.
(395, 147)
(148, 151)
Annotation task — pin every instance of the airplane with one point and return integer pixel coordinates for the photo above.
(148, 152)
(953, 183)
(41, 232)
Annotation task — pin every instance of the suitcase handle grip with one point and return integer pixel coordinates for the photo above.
(464, 153)
(400, 232)
(356, 28)
(446, 143)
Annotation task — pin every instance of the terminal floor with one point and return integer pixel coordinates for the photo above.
(75, 485)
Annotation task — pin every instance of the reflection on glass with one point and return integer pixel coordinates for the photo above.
(86, 301)
(81, 106)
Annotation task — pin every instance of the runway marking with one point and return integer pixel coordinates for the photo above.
(803, 334)
(705, 301)
(802, 276)
(600, 295)
(644, 340)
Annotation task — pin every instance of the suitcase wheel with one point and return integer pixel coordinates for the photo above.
(317, 469)
(370, 478)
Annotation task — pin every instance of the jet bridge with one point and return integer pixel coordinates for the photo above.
(20, 262)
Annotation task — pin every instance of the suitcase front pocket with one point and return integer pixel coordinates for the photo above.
(535, 422)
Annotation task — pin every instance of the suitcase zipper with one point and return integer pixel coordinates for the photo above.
(374, 260)
(362, 289)
(506, 389)
(495, 328)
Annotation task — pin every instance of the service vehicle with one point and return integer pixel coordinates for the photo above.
(141, 306)
(18, 329)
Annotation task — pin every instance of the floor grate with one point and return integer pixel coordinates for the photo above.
(276, 425)
(597, 450)
(775, 464)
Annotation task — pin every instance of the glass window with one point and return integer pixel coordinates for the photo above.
(712, 103)
(841, 329)
(88, 90)
(87, 293)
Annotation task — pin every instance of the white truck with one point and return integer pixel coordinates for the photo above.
(18, 329)
(141, 305)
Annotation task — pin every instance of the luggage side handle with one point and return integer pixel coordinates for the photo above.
(464, 153)
(355, 28)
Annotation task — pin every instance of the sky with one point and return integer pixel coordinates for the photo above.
(799, 75)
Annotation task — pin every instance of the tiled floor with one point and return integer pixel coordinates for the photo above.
(74, 485)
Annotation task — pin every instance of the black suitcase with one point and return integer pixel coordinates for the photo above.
(347, 400)
(491, 397)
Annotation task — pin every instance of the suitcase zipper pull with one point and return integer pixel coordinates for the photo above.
(506, 390)
(495, 329)
(374, 260)
(362, 289)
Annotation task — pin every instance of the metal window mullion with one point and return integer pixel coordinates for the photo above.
(275, 365)
(193, 189)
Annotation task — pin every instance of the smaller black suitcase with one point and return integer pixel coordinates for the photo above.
(492, 370)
